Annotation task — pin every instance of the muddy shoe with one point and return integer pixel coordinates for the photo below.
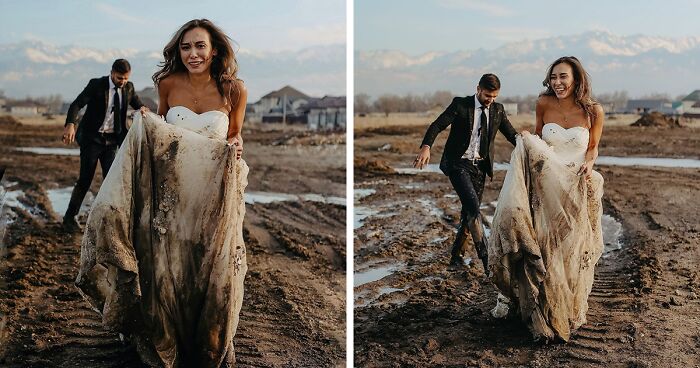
(70, 225)
(458, 263)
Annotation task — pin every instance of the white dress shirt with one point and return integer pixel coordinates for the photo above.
(474, 143)
(108, 123)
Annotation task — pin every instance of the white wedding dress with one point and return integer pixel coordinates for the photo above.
(162, 257)
(546, 233)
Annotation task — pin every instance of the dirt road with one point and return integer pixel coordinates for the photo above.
(294, 308)
(411, 311)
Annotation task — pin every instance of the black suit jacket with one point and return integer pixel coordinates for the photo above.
(96, 96)
(460, 114)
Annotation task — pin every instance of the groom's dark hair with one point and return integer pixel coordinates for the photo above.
(490, 82)
(121, 66)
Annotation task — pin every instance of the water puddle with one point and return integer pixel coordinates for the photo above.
(433, 209)
(50, 151)
(648, 161)
(365, 298)
(360, 214)
(612, 232)
(601, 160)
(362, 193)
(59, 199)
(435, 168)
(375, 273)
(270, 197)
(439, 240)
(412, 186)
(10, 198)
(388, 290)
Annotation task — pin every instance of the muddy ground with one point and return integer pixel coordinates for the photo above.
(411, 311)
(294, 308)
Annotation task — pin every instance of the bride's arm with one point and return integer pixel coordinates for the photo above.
(237, 114)
(539, 115)
(594, 135)
(163, 91)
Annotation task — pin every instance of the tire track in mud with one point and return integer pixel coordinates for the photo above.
(53, 325)
(293, 311)
(447, 321)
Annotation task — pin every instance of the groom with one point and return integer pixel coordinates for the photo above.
(468, 156)
(101, 130)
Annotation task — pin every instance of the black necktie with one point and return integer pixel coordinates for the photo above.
(117, 110)
(483, 134)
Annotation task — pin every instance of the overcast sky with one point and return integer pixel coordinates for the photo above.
(267, 25)
(417, 26)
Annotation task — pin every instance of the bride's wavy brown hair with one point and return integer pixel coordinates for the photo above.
(582, 88)
(224, 67)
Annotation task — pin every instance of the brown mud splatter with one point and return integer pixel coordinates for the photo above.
(294, 307)
(644, 307)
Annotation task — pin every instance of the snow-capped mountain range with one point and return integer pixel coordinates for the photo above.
(639, 64)
(37, 68)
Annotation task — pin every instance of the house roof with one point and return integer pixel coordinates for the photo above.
(326, 102)
(695, 96)
(23, 104)
(637, 104)
(291, 93)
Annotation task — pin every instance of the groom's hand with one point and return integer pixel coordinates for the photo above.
(423, 157)
(69, 133)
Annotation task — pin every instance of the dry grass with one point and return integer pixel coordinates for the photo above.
(520, 121)
(41, 120)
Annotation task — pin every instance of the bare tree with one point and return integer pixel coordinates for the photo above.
(439, 99)
(657, 96)
(388, 103)
(55, 102)
(617, 99)
(362, 105)
(412, 103)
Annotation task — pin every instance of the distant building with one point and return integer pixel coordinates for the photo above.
(690, 104)
(644, 106)
(25, 108)
(327, 113)
(278, 106)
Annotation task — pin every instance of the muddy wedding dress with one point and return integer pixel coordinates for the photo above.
(546, 233)
(162, 258)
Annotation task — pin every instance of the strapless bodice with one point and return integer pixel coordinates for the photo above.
(570, 144)
(212, 124)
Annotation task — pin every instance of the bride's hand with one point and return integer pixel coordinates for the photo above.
(237, 141)
(586, 169)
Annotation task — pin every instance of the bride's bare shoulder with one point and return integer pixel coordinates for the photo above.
(172, 81)
(545, 100)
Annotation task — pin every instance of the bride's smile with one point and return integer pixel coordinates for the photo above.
(562, 80)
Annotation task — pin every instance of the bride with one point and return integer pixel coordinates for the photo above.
(546, 232)
(163, 258)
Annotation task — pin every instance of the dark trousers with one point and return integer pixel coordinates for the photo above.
(468, 180)
(100, 148)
